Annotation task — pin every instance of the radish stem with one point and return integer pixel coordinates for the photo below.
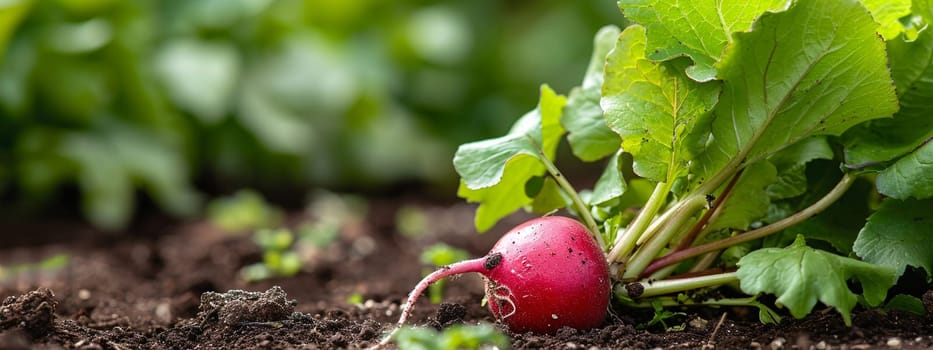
(574, 196)
(761, 232)
(695, 231)
(655, 288)
(643, 257)
(625, 243)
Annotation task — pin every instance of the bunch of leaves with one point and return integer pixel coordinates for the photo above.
(456, 337)
(436, 256)
(112, 98)
(736, 127)
(278, 257)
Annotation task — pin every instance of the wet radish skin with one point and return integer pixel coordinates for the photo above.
(547, 273)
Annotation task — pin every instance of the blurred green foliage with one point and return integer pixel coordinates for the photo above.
(244, 211)
(22, 271)
(461, 336)
(278, 257)
(175, 97)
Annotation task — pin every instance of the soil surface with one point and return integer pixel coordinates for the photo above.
(167, 285)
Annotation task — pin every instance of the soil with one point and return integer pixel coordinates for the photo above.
(168, 285)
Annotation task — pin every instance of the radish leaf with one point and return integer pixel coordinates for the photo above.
(589, 137)
(698, 29)
(549, 198)
(494, 171)
(885, 139)
(911, 176)
(797, 75)
(898, 235)
(800, 276)
(610, 185)
(654, 107)
(888, 14)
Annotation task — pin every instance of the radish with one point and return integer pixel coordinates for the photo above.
(544, 274)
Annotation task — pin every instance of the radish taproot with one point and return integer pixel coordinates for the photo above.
(544, 274)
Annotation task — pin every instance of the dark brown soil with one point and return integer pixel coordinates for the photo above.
(175, 286)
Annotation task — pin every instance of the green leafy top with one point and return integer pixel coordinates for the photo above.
(495, 171)
(698, 29)
(800, 276)
(654, 107)
(886, 139)
(911, 176)
(796, 75)
(898, 235)
(888, 14)
(587, 133)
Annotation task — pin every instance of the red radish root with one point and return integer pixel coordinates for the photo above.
(544, 274)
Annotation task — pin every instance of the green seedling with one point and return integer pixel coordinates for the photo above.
(244, 211)
(436, 256)
(457, 337)
(278, 258)
(318, 235)
(906, 303)
(355, 299)
(411, 222)
(337, 209)
(49, 265)
(661, 316)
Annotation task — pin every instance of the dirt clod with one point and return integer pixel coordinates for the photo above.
(237, 307)
(33, 312)
(448, 314)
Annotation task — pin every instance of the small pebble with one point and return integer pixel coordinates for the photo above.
(777, 343)
(698, 323)
(755, 345)
(570, 346)
(364, 245)
(894, 342)
(821, 345)
(84, 294)
(163, 312)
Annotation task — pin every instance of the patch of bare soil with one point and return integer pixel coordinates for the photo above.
(175, 286)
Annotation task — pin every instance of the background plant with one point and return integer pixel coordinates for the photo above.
(478, 336)
(100, 100)
(279, 259)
